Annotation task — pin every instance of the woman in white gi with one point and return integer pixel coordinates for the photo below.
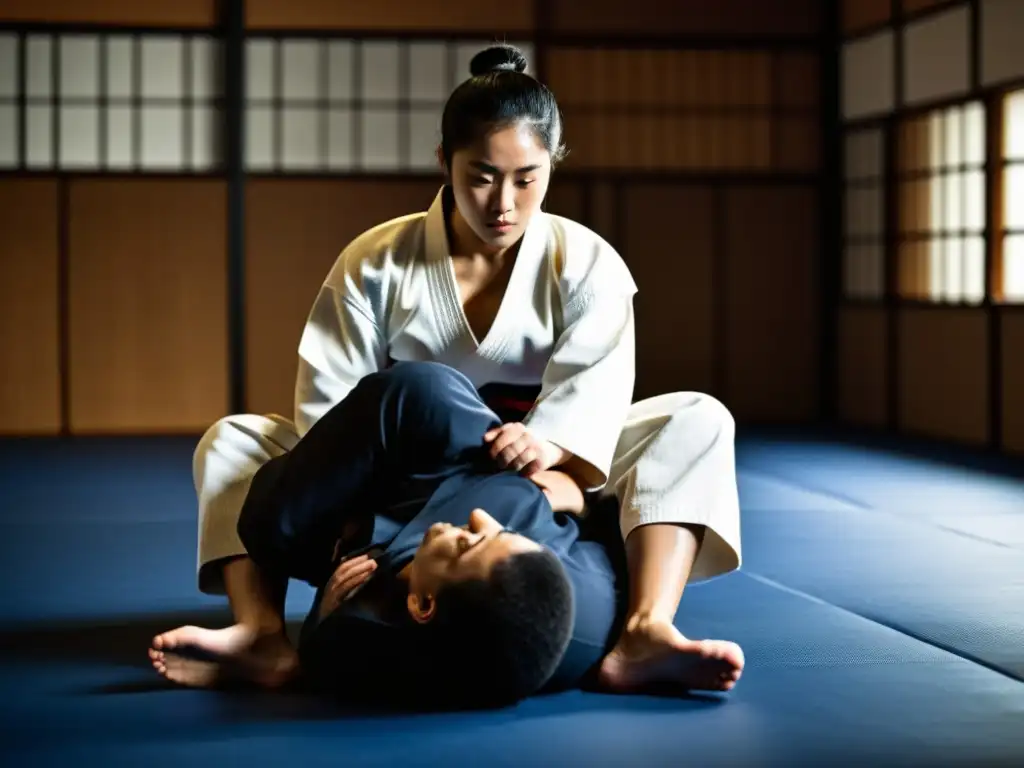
(520, 301)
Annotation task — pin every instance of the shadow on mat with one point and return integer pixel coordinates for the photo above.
(249, 706)
(240, 707)
(122, 642)
(125, 644)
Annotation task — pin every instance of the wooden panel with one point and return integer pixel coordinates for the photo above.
(864, 154)
(797, 80)
(663, 109)
(1002, 55)
(753, 18)
(796, 137)
(565, 198)
(1013, 380)
(863, 366)
(863, 14)
(916, 6)
(668, 142)
(29, 310)
(673, 267)
(157, 13)
(771, 301)
(148, 305)
(604, 211)
(937, 53)
(869, 75)
(295, 230)
(796, 145)
(663, 79)
(943, 373)
(398, 15)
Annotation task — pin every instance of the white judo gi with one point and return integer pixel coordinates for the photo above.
(565, 325)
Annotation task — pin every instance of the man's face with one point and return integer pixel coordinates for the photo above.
(450, 554)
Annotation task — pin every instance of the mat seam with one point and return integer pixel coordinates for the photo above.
(962, 655)
(866, 508)
(801, 486)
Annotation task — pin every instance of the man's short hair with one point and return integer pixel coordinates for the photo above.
(498, 640)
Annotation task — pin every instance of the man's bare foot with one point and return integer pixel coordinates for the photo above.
(234, 654)
(655, 655)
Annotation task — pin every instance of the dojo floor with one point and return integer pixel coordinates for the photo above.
(881, 607)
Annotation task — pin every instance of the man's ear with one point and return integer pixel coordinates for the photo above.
(421, 608)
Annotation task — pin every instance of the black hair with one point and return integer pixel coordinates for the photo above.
(500, 94)
(498, 640)
(490, 643)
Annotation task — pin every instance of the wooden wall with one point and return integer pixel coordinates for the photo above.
(695, 150)
(917, 354)
(30, 316)
(147, 337)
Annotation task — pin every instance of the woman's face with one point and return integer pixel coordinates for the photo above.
(499, 184)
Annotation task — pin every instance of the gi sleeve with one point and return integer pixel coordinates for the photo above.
(587, 386)
(341, 343)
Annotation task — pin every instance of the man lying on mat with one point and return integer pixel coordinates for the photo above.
(518, 598)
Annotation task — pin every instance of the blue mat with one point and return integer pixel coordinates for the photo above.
(940, 586)
(920, 544)
(886, 479)
(822, 684)
(761, 492)
(875, 630)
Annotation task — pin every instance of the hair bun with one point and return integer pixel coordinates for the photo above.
(498, 58)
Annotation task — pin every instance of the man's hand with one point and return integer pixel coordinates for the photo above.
(562, 491)
(350, 575)
(513, 446)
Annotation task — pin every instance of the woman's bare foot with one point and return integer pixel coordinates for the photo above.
(235, 654)
(654, 654)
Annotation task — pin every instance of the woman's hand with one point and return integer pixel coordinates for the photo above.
(562, 491)
(513, 446)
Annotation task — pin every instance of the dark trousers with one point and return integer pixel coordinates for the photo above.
(387, 446)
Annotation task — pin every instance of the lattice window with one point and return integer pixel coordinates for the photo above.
(942, 198)
(330, 105)
(86, 102)
(153, 102)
